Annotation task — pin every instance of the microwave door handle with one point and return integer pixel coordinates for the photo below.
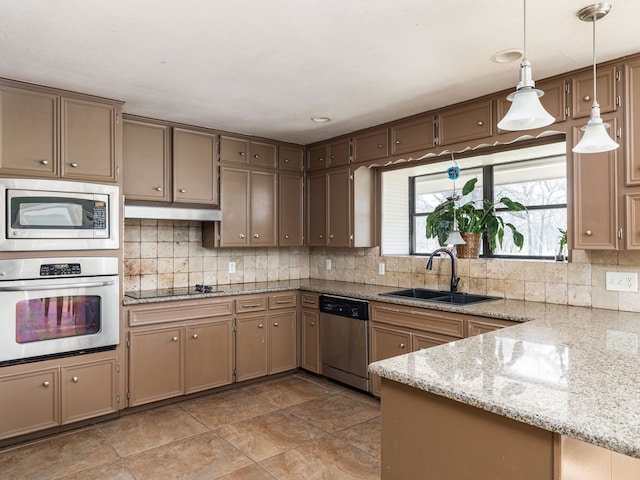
(55, 286)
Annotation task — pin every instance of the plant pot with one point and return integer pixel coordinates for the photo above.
(471, 249)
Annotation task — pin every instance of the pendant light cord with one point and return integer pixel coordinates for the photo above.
(595, 102)
(525, 31)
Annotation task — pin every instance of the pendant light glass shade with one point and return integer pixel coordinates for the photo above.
(595, 138)
(454, 238)
(526, 111)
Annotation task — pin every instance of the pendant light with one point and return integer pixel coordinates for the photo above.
(595, 138)
(526, 111)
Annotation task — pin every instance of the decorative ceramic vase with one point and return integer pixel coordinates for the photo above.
(471, 249)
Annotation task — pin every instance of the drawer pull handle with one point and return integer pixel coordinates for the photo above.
(174, 339)
(480, 123)
(260, 325)
(402, 345)
(380, 145)
(159, 189)
(195, 336)
(44, 162)
(45, 384)
(241, 154)
(275, 324)
(588, 233)
(256, 156)
(251, 305)
(182, 190)
(282, 302)
(242, 235)
(74, 164)
(256, 235)
(311, 302)
(75, 379)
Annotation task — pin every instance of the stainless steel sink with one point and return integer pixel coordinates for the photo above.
(440, 296)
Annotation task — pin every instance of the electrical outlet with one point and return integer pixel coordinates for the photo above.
(622, 281)
(381, 268)
(328, 264)
(232, 267)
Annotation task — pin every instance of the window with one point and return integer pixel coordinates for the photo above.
(534, 176)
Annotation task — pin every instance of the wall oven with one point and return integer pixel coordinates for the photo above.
(58, 215)
(58, 306)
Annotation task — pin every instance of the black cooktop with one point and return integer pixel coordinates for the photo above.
(172, 292)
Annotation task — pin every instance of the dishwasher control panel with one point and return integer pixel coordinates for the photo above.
(344, 307)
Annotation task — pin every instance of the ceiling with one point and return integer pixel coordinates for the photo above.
(266, 67)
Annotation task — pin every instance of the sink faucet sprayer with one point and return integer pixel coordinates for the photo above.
(454, 279)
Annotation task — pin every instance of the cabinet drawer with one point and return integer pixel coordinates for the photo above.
(421, 319)
(253, 303)
(478, 326)
(371, 145)
(162, 312)
(283, 300)
(464, 123)
(309, 300)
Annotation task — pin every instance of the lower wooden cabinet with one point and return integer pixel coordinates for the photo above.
(480, 325)
(43, 398)
(208, 360)
(310, 330)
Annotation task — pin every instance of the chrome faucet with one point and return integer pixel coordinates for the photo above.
(454, 279)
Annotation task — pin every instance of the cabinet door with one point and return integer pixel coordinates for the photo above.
(29, 402)
(29, 133)
(146, 161)
(413, 135)
(263, 155)
(88, 390)
(88, 140)
(194, 167)
(291, 210)
(428, 340)
(155, 364)
(282, 341)
(263, 209)
(478, 326)
(317, 158)
(291, 158)
(632, 221)
(317, 210)
(311, 341)
(606, 91)
(251, 347)
(234, 150)
(234, 202)
(209, 355)
(371, 145)
(387, 342)
(339, 209)
(595, 216)
(632, 122)
(465, 123)
(339, 152)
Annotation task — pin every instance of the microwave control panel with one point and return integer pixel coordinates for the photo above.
(58, 269)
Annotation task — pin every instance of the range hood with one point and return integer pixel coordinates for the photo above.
(173, 213)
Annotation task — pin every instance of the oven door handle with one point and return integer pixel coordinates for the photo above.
(56, 286)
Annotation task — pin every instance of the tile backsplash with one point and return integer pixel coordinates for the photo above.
(165, 253)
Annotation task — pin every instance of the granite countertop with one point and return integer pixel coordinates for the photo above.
(577, 374)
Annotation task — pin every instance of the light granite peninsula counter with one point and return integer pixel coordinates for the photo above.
(512, 403)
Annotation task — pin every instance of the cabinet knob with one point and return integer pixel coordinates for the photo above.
(158, 189)
(332, 157)
(45, 384)
(241, 154)
(588, 233)
(380, 145)
(74, 379)
(286, 237)
(195, 336)
(402, 345)
(260, 325)
(182, 190)
(397, 142)
(242, 235)
(313, 324)
(480, 123)
(174, 339)
(320, 236)
(586, 98)
(44, 162)
(331, 236)
(74, 164)
(321, 159)
(286, 160)
(256, 235)
(275, 324)
(256, 156)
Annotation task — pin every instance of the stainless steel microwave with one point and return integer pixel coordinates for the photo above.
(58, 215)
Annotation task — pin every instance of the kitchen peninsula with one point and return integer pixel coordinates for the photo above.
(546, 399)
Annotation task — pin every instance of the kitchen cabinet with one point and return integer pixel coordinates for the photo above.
(36, 398)
(584, 461)
(248, 203)
(341, 208)
(291, 158)
(371, 145)
(413, 135)
(317, 158)
(331, 154)
(470, 121)
(632, 123)
(266, 334)
(47, 133)
(290, 209)
(248, 152)
(310, 326)
(607, 79)
(180, 348)
(195, 177)
(480, 325)
(146, 153)
(595, 191)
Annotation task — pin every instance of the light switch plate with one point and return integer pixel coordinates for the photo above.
(381, 268)
(328, 264)
(622, 281)
(232, 267)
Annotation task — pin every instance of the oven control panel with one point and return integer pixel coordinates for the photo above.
(59, 269)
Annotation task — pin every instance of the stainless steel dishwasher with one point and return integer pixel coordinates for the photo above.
(344, 340)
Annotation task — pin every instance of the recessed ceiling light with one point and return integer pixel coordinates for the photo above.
(506, 56)
(321, 119)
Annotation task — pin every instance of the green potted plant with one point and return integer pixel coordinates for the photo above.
(562, 242)
(470, 219)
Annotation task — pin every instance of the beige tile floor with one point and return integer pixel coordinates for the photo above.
(291, 428)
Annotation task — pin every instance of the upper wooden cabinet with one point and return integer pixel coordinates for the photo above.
(316, 209)
(465, 122)
(371, 145)
(248, 152)
(291, 158)
(317, 158)
(45, 134)
(194, 167)
(339, 152)
(290, 209)
(632, 123)
(146, 153)
(412, 135)
(607, 79)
